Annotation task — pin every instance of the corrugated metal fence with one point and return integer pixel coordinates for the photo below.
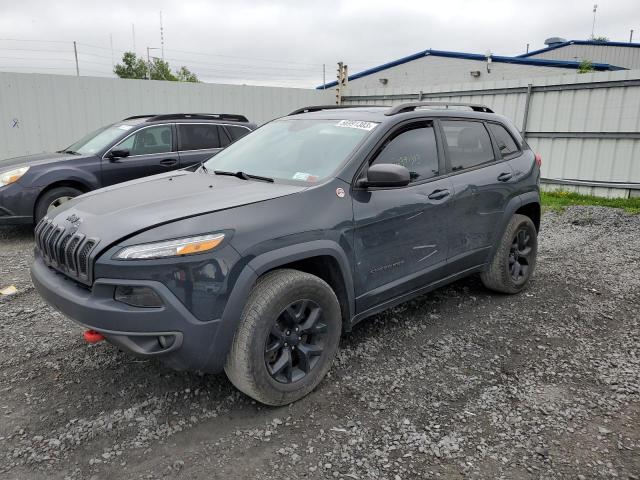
(49, 112)
(586, 127)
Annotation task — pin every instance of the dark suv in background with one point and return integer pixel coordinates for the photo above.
(257, 261)
(138, 146)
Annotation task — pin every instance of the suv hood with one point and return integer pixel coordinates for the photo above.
(37, 159)
(119, 211)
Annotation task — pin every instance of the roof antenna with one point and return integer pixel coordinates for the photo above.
(593, 26)
(631, 36)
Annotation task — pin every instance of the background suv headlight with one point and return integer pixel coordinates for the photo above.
(12, 176)
(171, 248)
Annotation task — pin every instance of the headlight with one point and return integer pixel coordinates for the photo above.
(12, 176)
(171, 248)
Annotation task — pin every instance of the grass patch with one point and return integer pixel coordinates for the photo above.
(561, 200)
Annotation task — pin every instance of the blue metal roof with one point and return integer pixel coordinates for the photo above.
(581, 42)
(538, 62)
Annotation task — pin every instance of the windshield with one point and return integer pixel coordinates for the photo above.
(98, 140)
(302, 150)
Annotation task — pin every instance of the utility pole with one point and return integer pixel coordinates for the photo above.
(343, 78)
(113, 62)
(631, 36)
(148, 65)
(161, 36)
(593, 26)
(527, 48)
(324, 81)
(75, 52)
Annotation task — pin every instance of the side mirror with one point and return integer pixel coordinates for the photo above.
(119, 153)
(386, 175)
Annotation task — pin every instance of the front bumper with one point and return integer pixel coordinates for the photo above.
(187, 343)
(7, 217)
(16, 204)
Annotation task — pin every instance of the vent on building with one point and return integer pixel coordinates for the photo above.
(553, 41)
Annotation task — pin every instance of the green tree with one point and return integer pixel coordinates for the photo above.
(186, 75)
(135, 67)
(160, 70)
(131, 67)
(602, 39)
(585, 66)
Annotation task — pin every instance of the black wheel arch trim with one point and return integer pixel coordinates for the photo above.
(517, 202)
(262, 264)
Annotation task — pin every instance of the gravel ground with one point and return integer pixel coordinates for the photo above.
(460, 383)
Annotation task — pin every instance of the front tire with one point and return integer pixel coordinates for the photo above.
(287, 337)
(54, 198)
(514, 260)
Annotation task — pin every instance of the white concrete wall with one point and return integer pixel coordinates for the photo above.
(48, 112)
(432, 70)
(627, 57)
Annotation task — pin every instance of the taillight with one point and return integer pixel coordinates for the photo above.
(538, 160)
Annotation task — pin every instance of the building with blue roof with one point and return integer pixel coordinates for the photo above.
(621, 54)
(433, 67)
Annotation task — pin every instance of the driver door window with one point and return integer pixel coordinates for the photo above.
(148, 141)
(414, 149)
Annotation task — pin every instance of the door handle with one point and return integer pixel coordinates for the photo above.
(169, 162)
(505, 177)
(438, 194)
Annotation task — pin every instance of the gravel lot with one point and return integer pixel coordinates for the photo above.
(457, 384)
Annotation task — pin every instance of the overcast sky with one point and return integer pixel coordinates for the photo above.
(285, 42)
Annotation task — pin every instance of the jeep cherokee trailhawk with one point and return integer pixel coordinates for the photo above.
(257, 261)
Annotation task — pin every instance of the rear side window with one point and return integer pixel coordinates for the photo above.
(468, 144)
(506, 144)
(414, 149)
(236, 132)
(200, 136)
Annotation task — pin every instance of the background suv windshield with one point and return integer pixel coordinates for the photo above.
(100, 139)
(304, 150)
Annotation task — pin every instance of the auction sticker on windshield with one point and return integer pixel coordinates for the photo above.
(357, 124)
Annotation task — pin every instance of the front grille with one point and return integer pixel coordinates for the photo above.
(65, 249)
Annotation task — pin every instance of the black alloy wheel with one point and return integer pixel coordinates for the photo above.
(519, 255)
(295, 342)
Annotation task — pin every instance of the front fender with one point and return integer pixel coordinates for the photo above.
(250, 274)
(67, 174)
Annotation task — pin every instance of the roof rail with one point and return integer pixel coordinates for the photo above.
(134, 117)
(317, 108)
(411, 106)
(199, 116)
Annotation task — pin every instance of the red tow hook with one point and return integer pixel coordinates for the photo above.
(91, 336)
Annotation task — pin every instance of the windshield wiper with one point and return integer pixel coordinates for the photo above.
(204, 169)
(243, 176)
(71, 152)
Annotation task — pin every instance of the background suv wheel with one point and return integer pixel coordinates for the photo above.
(54, 198)
(514, 260)
(287, 338)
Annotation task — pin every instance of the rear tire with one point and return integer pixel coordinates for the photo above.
(514, 260)
(54, 198)
(270, 360)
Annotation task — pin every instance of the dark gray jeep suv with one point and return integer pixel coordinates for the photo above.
(135, 147)
(257, 261)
